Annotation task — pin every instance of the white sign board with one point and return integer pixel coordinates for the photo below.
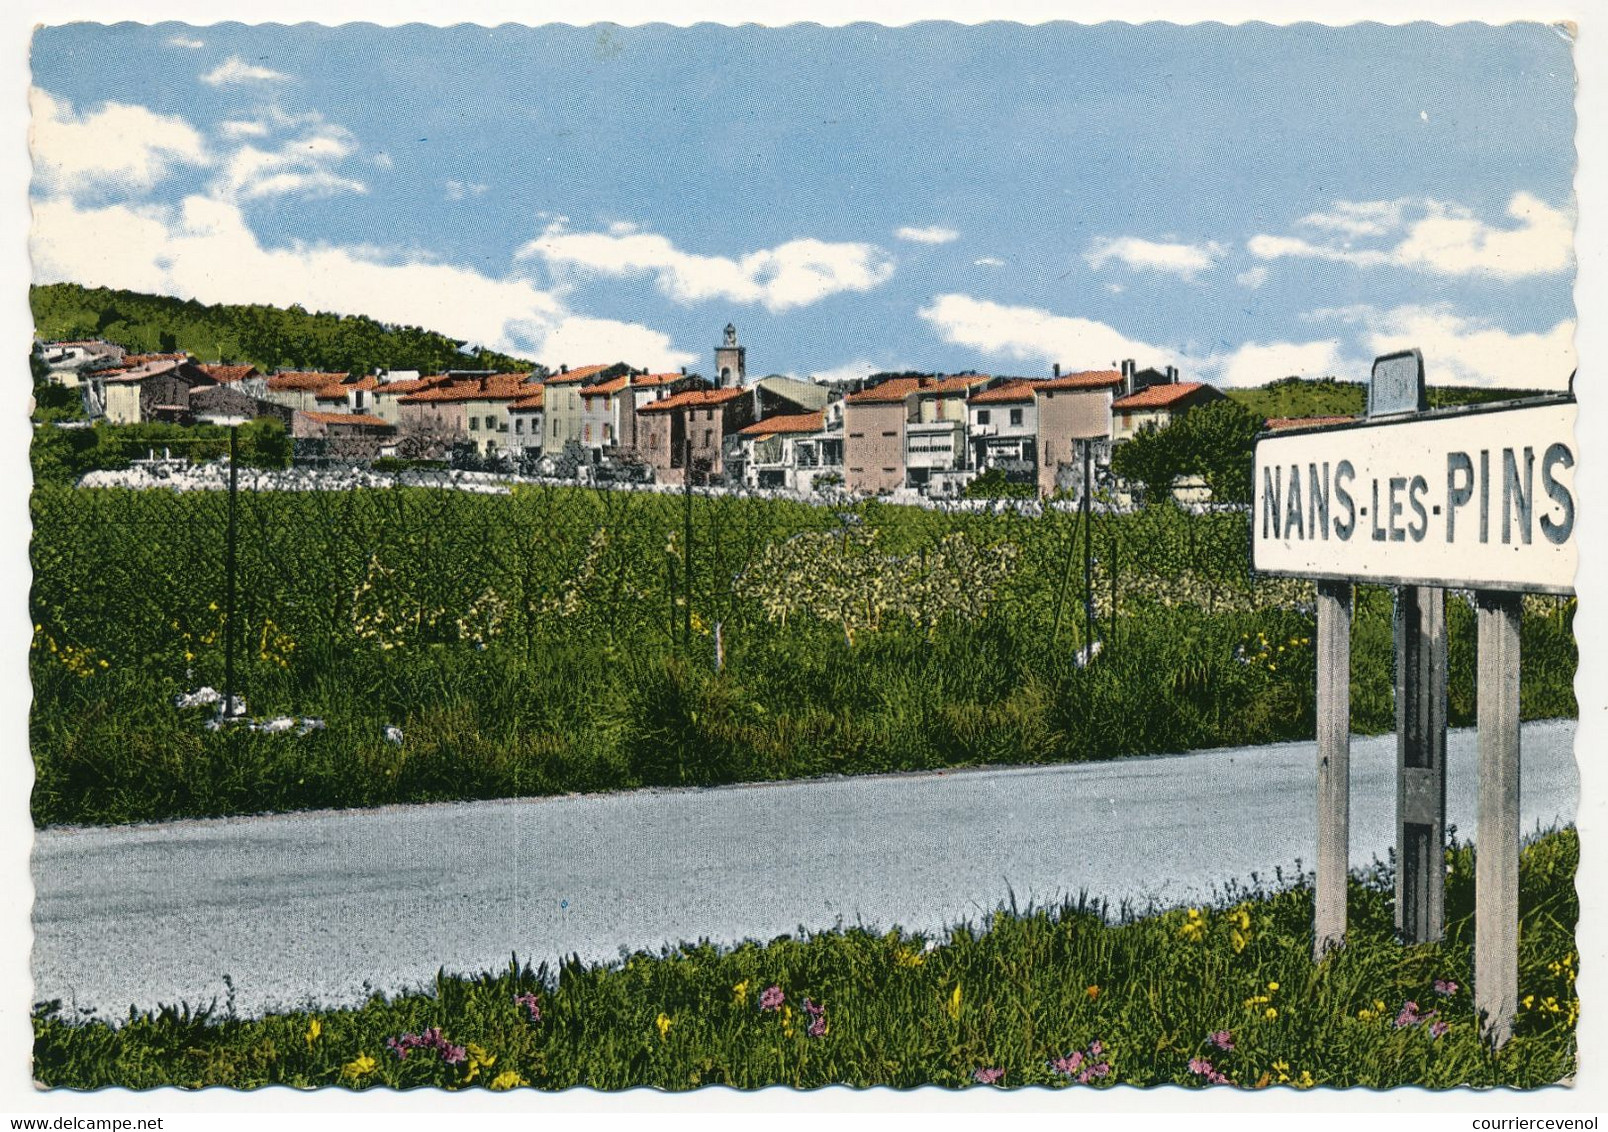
(1478, 498)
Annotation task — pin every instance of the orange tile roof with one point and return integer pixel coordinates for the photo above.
(302, 380)
(143, 370)
(604, 388)
(1276, 423)
(579, 373)
(792, 422)
(408, 385)
(1088, 379)
(530, 400)
(494, 387)
(1010, 392)
(694, 399)
(898, 388)
(338, 391)
(642, 379)
(1159, 396)
(227, 375)
(362, 419)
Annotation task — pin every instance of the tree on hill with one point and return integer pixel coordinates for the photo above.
(267, 337)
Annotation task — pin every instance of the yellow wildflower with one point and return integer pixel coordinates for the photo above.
(664, 1022)
(1282, 1068)
(739, 993)
(478, 1059)
(1194, 926)
(507, 1079)
(1270, 1013)
(909, 957)
(314, 1028)
(361, 1066)
(1306, 1081)
(1093, 992)
(953, 1006)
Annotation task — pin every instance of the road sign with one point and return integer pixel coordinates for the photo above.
(1480, 497)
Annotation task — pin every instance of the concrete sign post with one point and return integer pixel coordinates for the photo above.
(1479, 497)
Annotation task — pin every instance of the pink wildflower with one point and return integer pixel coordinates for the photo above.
(1096, 1049)
(1437, 1028)
(987, 1076)
(1069, 1065)
(771, 998)
(1203, 1068)
(817, 1013)
(1445, 987)
(453, 1055)
(531, 1003)
(1408, 1015)
(1222, 1039)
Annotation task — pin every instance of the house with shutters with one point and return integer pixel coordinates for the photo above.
(1002, 427)
(472, 407)
(908, 432)
(689, 430)
(299, 389)
(564, 410)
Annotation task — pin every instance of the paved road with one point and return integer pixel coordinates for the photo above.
(316, 907)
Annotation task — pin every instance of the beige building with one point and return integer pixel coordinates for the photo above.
(1157, 406)
(564, 409)
(905, 430)
(299, 389)
(1071, 409)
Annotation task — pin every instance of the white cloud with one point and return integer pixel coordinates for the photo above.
(933, 235)
(1115, 288)
(1186, 261)
(988, 261)
(235, 71)
(187, 43)
(243, 129)
(794, 274)
(1031, 334)
(1444, 239)
(204, 249)
(1256, 363)
(459, 190)
(1359, 218)
(117, 146)
(1461, 350)
(303, 166)
(1252, 277)
(383, 160)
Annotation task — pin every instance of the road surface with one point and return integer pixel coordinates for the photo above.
(319, 908)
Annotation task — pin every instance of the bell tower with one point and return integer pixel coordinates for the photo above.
(731, 364)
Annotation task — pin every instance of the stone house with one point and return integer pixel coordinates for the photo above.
(341, 436)
(563, 408)
(703, 418)
(156, 390)
(784, 452)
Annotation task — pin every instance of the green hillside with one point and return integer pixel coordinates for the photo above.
(1330, 397)
(268, 337)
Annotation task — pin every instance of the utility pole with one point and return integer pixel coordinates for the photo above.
(686, 539)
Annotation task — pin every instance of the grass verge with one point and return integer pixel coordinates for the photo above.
(1221, 995)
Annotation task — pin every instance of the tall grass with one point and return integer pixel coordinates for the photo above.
(1153, 999)
(536, 643)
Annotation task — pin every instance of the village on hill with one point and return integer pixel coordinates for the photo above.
(905, 436)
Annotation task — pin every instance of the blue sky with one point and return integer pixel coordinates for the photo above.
(1244, 202)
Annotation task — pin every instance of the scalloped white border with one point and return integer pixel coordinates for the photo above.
(324, 1109)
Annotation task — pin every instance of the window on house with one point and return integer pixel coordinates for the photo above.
(519, 425)
(983, 416)
(709, 437)
(491, 422)
(1016, 418)
(474, 424)
(890, 433)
